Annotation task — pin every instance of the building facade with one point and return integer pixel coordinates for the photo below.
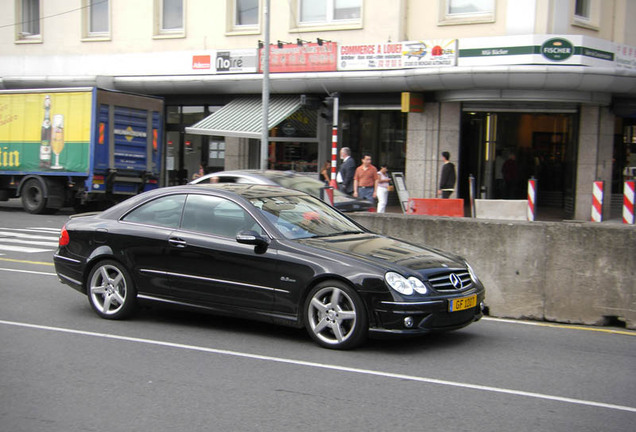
(548, 84)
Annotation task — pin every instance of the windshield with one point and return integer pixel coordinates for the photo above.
(304, 217)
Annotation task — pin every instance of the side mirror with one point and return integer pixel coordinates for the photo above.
(252, 238)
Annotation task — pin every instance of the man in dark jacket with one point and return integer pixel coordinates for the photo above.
(448, 177)
(346, 171)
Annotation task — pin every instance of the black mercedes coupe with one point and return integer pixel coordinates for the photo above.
(265, 253)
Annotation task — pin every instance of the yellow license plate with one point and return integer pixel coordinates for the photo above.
(463, 303)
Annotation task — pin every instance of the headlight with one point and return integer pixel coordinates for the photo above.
(473, 276)
(398, 283)
(418, 285)
(403, 285)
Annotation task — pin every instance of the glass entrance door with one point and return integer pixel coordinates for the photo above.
(504, 150)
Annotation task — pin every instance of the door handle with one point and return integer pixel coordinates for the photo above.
(177, 242)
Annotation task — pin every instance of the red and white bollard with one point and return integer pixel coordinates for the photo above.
(597, 202)
(628, 202)
(532, 196)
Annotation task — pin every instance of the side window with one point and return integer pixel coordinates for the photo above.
(218, 216)
(165, 212)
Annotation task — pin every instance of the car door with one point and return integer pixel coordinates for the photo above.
(142, 238)
(208, 266)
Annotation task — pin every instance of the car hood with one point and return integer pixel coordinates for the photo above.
(382, 250)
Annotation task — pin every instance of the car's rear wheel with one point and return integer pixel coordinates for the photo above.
(335, 316)
(110, 290)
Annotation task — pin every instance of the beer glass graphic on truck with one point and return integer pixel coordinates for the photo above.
(45, 140)
(57, 142)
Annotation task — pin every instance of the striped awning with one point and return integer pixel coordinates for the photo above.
(243, 117)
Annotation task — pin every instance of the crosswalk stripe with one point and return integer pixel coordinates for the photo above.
(27, 240)
(22, 249)
(30, 242)
(26, 236)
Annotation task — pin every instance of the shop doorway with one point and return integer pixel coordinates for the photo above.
(503, 150)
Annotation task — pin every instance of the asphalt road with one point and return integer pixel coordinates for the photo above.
(64, 369)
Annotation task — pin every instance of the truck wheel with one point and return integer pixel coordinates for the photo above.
(33, 199)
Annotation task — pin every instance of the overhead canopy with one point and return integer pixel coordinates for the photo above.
(243, 117)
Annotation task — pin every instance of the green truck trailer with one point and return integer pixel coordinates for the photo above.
(76, 147)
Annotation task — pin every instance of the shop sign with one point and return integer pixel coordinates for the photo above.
(399, 55)
(224, 61)
(557, 49)
(235, 61)
(625, 57)
(412, 102)
(573, 50)
(310, 57)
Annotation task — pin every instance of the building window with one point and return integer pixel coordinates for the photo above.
(467, 11)
(246, 13)
(96, 19)
(582, 9)
(28, 19)
(329, 11)
(170, 18)
(243, 16)
(587, 14)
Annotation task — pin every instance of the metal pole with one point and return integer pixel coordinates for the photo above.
(334, 141)
(471, 191)
(265, 65)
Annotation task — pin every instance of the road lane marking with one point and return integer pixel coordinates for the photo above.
(27, 261)
(562, 326)
(28, 271)
(326, 366)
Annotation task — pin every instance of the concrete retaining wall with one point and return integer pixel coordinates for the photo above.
(568, 272)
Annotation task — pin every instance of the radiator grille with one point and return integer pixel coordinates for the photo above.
(452, 280)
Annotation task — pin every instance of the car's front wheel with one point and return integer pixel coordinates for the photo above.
(110, 290)
(335, 316)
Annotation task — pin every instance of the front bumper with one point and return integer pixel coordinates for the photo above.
(418, 317)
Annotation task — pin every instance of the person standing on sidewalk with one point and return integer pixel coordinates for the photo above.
(382, 188)
(347, 169)
(364, 180)
(448, 177)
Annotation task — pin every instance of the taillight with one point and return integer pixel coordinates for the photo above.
(64, 238)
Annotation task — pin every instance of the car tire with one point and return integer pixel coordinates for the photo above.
(110, 290)
(335, 316)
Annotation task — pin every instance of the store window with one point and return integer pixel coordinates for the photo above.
(28, 19)
(624, 160)
(169, 18)
(96, 19)
(381, 133)
(329, 11)
(466, 11)
(294, 144)
(186, 154)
